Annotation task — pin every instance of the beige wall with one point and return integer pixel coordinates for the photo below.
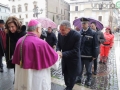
(58, 10)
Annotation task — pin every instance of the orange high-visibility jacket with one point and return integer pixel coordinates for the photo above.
(109, 39)
(105, 47)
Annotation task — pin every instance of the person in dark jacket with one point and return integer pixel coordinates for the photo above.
(2, 33)
(88, 49)
(2, 43)
(43, 34)
(1, 54)
(101, 40)
(14, 31)
(68, 47)
(51, 38)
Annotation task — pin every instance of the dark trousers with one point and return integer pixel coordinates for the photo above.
(69, 79)
(88, 65)
(95, 64)
(1, 64)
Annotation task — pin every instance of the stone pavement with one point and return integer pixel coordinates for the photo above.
(108, 77)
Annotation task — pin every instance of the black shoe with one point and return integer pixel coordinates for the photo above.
(104, 62)
(100, 62)
(67, 88)
(95, 72)
(79, 81)
(88, 82)
(85, 74)
(1, 69)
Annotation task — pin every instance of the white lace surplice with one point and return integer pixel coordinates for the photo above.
(30, 79)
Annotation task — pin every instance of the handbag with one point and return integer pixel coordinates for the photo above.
(9, 62)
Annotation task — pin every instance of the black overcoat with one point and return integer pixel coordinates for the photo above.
(1, 47)
(13, 38)
(70, 47)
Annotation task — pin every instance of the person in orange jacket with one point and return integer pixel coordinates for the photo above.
(106, 46)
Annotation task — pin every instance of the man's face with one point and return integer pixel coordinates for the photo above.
(12, 27)
(2, 25)
(49, 29)
(93, 26)
(39, 31)
(85, 25)
(64, 30)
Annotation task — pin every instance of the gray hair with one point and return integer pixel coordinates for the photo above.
(66, 23)
(32, 28)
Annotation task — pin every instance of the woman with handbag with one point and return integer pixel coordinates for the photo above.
(14, 31)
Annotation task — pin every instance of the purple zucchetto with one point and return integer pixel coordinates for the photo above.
(33, 22)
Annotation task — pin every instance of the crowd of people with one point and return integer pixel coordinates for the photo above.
(33, 52)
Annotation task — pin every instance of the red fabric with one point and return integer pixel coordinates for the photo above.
(109, 38)
(3, 36)
(105, 49)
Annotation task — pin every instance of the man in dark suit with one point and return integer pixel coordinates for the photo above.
(68, 48)
(88, 49)
(101, 39)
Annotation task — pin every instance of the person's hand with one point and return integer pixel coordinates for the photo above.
(93, 58)
(54, 46)
(59, 53)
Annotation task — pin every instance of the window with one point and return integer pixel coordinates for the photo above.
(56, 9)
(35, 4)
(19, 16)
(64, 12)
(19, 8)
(26, 7)
(13, 9)
(100, 7)
(100, 18)
(26, 16)
(76, 8)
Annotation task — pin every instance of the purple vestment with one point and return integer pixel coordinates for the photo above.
(36, 53)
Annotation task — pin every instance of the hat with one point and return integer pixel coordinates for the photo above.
(33, 22)
(84, 19)
(108, 28)
(2, 21)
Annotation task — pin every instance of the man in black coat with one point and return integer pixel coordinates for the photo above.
(68, 47)
(88, 49)
(51, 38)
(101, 39)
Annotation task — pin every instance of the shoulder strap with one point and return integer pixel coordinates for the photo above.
(9, 48)
(21, 59)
